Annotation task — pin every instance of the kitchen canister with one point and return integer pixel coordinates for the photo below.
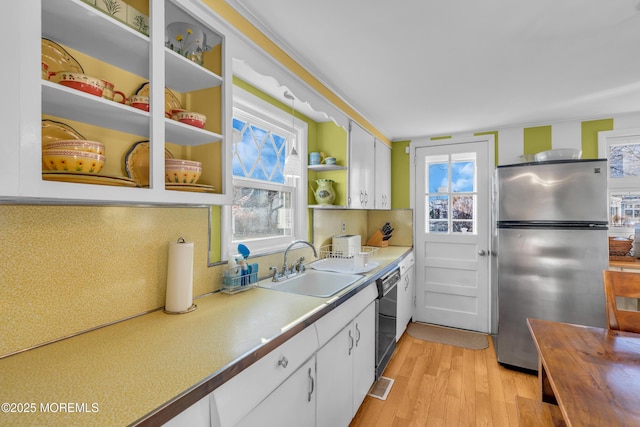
(179, 297)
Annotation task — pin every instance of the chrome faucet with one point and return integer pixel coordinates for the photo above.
(294, 269)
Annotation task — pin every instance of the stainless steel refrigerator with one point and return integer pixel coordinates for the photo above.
(550, 246)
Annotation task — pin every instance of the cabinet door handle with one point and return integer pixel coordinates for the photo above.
(366, 198)
(361, 198)
(406, 282)
(358, 335)
(350, 342)
(312, 386)
(283, 362)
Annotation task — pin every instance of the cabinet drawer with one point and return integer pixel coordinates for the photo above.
(406, 263)
(237, 397)
(329, 325)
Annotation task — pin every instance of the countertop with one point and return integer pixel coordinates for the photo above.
(146, 369)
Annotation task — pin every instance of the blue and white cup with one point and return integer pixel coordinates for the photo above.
(314, 158)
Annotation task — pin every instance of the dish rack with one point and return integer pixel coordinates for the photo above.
(243, 282)
(357, 260)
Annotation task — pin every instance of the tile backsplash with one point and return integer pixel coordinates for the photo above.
(329, 222)
(67, 269)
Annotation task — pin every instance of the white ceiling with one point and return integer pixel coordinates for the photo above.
(426, 67)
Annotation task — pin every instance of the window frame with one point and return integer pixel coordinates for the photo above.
(265, 112)
(628, 186)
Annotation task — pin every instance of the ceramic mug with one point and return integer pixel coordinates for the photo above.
(140, 102)
(330, 161)
(314, 158)
(109, 93)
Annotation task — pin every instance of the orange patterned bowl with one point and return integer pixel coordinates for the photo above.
(79, 81)
(182, 171)
(75, 145)
(190, 118)
(72, 161)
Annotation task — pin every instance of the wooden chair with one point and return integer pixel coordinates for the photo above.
(533, 413)
(621, 284)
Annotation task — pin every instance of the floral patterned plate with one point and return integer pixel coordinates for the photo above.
(197, 188)
(136, 162)
(88, 178)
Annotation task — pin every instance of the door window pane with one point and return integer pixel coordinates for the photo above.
(438, 178)
(451, 193)
(463, 177)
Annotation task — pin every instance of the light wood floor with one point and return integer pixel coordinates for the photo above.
(441, 385)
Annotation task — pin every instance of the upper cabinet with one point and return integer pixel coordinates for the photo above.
(150, 81)
(369, 171)
(382, 176)
(361, 168)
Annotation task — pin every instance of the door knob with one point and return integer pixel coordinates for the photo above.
(482, 252)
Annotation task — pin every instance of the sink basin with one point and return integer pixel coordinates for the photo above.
(313, 283)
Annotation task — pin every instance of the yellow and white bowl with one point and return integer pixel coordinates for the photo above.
(72, 161)
(182, 171)
(75, 145)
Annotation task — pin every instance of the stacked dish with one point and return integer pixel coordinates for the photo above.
(65, 149)
(74, 155)
(182, 171)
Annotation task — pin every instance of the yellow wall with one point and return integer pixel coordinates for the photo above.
(400, 175)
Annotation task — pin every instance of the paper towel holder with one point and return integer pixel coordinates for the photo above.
(188, 310)
(193, 307)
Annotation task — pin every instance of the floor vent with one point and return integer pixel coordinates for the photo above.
(380, 389)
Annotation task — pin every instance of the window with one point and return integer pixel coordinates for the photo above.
(269, 209)
(622, 149)
(451, 193)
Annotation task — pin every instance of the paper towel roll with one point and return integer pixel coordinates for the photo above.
(179, 277)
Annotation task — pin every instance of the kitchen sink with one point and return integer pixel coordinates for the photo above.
(313, 283)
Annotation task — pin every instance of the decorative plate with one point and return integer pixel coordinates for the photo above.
(58, 131)
(136, 162)
(58, 59)
(196, 188)
(88, 178)
(171, 102)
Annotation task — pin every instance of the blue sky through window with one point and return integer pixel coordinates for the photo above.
(261, 152)
(462, 177)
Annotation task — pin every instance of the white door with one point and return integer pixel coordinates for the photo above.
(452, 185)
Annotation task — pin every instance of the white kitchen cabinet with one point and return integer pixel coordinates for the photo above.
(406, 294)
(251, 389)
(346, 370)
(292, 404)
(361, 168)
(197, 415)
(109, 49)
(382, 176)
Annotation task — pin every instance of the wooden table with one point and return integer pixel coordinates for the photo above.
(593, 374)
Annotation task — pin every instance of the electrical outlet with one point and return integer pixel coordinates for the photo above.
(344, 227)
